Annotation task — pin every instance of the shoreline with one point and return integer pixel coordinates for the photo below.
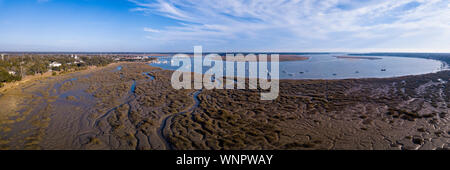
(444, 67)
(282, 58)
(358, 57)
(30, 79)
(320, 79)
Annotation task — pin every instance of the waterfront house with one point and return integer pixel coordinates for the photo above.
(55, 64)
(12, 72)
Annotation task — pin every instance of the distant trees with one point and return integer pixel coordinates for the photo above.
(37, 68)
(97, 61)
(56, 68)
(6, 77)
(445, 57)
(31, 64)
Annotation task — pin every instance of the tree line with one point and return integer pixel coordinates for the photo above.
(32, 64)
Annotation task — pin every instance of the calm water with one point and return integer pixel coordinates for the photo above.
(119, 68)
(327, 66)
(150, 77)
(133, 87)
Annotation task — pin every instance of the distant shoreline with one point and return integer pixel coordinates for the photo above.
(358, 57)
(281, 58)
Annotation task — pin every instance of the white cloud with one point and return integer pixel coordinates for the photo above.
(289, 23)
(146, 29)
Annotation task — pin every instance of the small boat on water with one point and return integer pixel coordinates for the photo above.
(383, 69)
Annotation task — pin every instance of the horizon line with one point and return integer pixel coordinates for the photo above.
(246, 52)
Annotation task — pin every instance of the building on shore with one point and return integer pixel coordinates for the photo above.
(55, 64)
(12, 72)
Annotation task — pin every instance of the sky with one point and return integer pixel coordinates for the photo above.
(225, 25)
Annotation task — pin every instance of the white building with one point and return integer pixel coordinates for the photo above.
(55, 64)
(78, 62)
(12, 72)
(74, 56)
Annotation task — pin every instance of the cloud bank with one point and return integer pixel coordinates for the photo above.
(303, 24)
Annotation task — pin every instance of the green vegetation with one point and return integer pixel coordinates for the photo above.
(6, 77)
(14, 67)
(95, 61)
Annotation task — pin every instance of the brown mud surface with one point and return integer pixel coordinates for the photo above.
(135, 107)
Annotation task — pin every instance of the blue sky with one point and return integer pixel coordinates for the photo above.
(225, 25)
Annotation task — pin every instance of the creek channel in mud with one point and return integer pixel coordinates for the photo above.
(170, 117)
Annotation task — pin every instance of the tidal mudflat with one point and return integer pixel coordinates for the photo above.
(135, 107)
